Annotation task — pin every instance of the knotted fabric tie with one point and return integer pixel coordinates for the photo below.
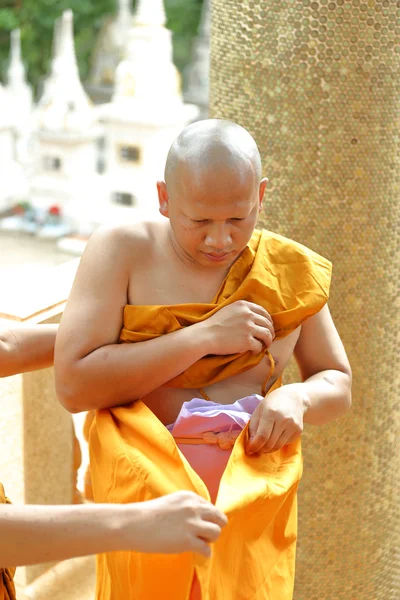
(224, 439)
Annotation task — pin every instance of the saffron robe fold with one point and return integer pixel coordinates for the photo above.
(7, 589)
(135, 458)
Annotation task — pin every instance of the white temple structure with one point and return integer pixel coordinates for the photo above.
(21, 99)
(147, 111)
(67, 136)
(7, 145)
(108, 53)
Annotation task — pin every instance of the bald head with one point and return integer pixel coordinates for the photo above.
(210, 147)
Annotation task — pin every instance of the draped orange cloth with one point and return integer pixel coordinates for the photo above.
(135, 458)
(7, 589)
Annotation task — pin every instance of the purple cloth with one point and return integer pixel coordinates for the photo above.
(198, 417)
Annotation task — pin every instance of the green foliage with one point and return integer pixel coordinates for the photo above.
(183, 18)
(36, 20)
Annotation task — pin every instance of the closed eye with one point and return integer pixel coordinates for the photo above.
(206, 220)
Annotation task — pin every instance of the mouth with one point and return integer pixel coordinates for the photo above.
(217, 257)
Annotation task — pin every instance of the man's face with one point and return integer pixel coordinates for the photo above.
(213, 217)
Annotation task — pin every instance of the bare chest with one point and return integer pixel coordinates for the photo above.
(163, 284)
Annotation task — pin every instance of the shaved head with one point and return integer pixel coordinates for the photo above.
(209, 147)
(212, 193)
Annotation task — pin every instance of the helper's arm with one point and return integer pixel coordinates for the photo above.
(92, 369)
(34, 534)
(26, 348)
(324, 368)
(179, 522)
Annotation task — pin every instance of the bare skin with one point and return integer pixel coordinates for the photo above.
(211, 199)
(179, 522)
(26, 348)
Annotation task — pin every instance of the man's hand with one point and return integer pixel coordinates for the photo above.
(178, 522)
(278, 420)
(239, 327)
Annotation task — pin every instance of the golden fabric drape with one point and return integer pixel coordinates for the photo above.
(7, 589)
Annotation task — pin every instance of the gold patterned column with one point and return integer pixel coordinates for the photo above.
(317, 84)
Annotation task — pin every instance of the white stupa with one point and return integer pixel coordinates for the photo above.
(20, 93)
(17, 86)
(7, 149)
(147, 111)
(197, 76)
(67, 135)
(108, 52)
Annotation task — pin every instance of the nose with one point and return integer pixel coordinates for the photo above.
(218, 236)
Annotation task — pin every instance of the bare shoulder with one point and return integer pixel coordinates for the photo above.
(123, 240)
(100, 290)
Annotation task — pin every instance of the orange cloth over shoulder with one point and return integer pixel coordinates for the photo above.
(7, 589)
(135, 458)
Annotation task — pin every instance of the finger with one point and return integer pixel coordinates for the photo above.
(256, 309)
(209, 532)
(200, 546)
(214, 515)
(277, 431)
(255, 346)
(253, 424)
(263, 322)
(282, 440)
(260, 310)
(263, 334)
(263, 433)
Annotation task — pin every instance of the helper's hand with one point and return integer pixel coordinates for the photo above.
(179, 522)
(278, 419)
(239, 327)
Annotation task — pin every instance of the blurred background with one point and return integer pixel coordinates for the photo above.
(92, 94)
(36, 19)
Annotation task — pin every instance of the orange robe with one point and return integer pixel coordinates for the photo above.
(7, 589)
(135, 458)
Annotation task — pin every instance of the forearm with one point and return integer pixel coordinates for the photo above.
(34, 534)
(326, 396)
(26, 348)
(120, 373)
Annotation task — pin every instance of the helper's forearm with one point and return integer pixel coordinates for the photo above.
(34, 534)
(328, 395)
(120, 373)
(26, 348)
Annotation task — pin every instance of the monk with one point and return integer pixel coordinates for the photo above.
(177, 333)
(32, 534)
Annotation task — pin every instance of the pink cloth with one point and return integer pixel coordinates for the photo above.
(219, 424)
(203, 418)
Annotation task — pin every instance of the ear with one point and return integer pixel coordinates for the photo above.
(163, 198)
(263, 185)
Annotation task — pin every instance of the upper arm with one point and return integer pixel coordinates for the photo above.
(319, 347)
(94, 312)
